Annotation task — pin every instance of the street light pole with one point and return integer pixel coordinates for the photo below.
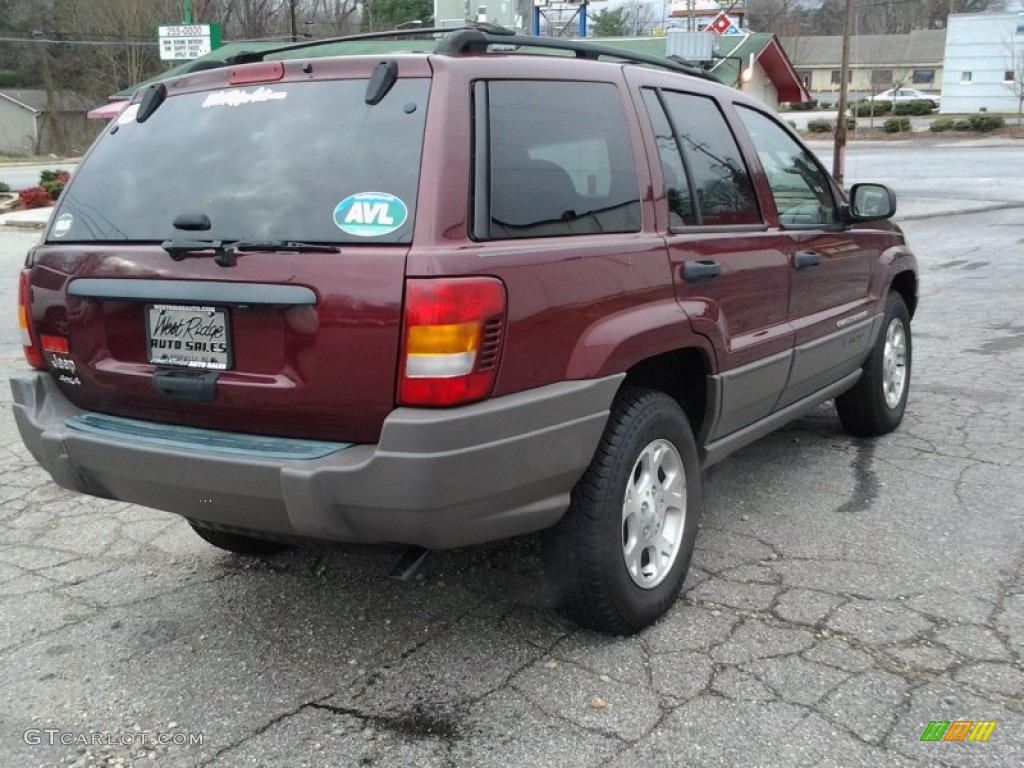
(188, 12)
(839, 151)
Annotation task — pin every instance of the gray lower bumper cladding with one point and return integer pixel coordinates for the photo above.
(437, 478)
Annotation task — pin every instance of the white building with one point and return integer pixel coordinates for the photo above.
(984, 62)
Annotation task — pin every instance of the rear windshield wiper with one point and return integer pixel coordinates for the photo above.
(224, 250)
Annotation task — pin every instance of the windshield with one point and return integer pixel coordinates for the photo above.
(309, 161)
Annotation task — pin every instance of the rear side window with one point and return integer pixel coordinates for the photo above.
(308, 161)
(721, 191)
(558, 160)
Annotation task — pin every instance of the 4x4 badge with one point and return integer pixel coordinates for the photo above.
(370, 214)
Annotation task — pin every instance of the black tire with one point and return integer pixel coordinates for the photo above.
(236, 542)
(584, 559)
(864, 410)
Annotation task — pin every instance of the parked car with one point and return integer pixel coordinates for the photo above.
(905, 95)
(443, 299)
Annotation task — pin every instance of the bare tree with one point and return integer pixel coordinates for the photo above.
(1015, 70)
(790, 18)
(115, 67)
(786, 18)
(638, 17)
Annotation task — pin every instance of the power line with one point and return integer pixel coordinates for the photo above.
(46, 41)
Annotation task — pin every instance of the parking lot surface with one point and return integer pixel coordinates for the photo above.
(844, 595)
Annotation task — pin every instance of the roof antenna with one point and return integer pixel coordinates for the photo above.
(381, 80)
(151, 99)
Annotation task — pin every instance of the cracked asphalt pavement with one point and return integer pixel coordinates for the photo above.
(843, 595)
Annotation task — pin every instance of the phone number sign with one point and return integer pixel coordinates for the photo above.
(184, 42)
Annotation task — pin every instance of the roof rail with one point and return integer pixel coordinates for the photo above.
(478, 40)
(246, 57)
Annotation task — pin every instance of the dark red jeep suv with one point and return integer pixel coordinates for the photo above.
(442, 299)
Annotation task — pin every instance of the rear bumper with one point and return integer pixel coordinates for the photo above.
(437, 478)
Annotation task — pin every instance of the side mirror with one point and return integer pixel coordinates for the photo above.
(871, 202)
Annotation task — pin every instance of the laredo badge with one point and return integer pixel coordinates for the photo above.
(370, 214)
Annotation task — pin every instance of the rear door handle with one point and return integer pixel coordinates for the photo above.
(701, 271)
(806, 259)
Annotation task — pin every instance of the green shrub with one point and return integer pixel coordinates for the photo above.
(820, 126)
(4, 187)
(984, 123)
(942, 124)
(52, 175)
(53, 188)
(804, 106)
(961, 125)
(869, 108)
(896, 125)
(913, 108)
(53, 182)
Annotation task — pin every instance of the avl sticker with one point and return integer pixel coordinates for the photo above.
(370, 214)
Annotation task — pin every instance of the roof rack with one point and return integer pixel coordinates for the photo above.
(477, 39)
(494, 30)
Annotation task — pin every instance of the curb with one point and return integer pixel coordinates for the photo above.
(939, 214)
(48, 161)
(23, 225)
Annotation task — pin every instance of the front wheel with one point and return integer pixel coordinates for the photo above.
(617, 559)
(876, 403)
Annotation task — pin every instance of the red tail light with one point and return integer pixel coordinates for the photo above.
(29, 340)
(452, 340)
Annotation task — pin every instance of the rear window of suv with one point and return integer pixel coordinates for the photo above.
(309, 161)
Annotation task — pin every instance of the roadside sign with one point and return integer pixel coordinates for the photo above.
(184, 42)
(733, 30)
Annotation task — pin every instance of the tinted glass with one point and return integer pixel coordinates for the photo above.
(262, 162)
(561, 162)
(802, 192)
(677, 188)
(722, 185)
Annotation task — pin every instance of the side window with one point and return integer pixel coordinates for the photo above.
(802, 192)
(721, 185)
(560, 160)
(677, 187)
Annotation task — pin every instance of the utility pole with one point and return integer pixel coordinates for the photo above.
(50, 119)
(49, 126)
(188, 12)
(839, 152)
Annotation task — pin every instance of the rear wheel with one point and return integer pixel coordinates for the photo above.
(237, 543)
(617, 559)
(876, 404)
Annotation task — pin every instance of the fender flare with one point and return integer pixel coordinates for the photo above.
(892, 262)
(616, 343)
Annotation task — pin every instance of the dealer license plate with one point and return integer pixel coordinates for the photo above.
(188, 336)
